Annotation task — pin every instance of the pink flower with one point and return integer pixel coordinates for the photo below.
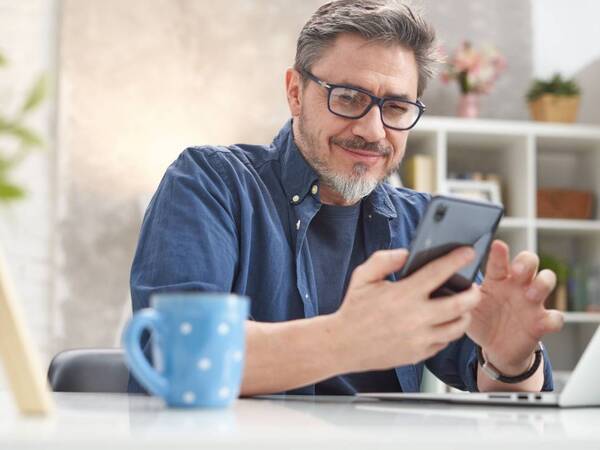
(476, 70)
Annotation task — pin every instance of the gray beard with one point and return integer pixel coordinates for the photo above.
(351, 188)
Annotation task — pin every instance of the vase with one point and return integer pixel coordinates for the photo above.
(468, 105)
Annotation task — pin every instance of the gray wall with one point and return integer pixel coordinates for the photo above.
(503, 23)
(27, 40)
(140, 80)
(587, 78)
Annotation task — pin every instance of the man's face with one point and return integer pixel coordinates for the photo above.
(351, 156)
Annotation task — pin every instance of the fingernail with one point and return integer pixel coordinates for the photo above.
(399, 252)
(467, 253)
(518, 268)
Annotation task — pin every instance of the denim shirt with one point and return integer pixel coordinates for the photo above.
(235, 219)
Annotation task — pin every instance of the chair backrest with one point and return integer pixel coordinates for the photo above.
(89, 370)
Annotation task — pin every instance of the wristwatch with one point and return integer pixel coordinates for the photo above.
(495, 374)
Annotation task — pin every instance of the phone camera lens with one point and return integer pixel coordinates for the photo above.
(440, 212)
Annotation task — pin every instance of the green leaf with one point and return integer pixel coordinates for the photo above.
(556, 85)
(36, 95)
(560, 268)
(28, 137)
(9, 191)
(4, 164)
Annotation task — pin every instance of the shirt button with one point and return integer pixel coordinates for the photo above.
(295, 199)
(314, 189)
(370, 216)
(305, 295)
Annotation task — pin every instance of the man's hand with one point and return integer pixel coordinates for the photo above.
(380, 324)
(511, 318)
(383, 324)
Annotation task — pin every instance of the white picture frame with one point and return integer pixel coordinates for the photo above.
(484, 190)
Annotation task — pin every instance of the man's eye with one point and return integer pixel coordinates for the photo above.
(396, 108)
(349, 97)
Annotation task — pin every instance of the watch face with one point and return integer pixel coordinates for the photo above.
(490, 371)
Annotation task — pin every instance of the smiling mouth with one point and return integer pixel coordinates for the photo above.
(362, 154)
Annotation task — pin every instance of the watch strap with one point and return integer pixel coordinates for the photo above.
(495, 374)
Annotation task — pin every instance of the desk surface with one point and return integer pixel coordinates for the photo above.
(112, 421)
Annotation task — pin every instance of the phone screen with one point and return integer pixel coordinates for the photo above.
(449, 223)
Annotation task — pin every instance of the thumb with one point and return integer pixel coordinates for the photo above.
(378, 266)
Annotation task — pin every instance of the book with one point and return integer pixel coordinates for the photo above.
(418, 173)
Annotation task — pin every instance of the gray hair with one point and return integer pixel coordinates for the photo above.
(386, 21)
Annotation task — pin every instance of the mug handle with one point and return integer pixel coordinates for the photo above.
(150, 319)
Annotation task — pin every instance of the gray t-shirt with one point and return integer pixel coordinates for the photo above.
(336, 244)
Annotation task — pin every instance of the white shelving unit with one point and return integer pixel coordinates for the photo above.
(527, 156)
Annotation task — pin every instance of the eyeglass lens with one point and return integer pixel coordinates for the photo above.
(351, 103)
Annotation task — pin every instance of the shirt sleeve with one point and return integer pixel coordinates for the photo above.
(188, 239)
(456, 366)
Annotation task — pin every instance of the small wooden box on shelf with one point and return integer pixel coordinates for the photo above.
(564, 204)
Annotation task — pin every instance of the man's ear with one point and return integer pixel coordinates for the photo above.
(293, 88)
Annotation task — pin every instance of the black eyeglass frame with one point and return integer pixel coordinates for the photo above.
(379, 101)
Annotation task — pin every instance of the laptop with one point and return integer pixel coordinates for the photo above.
(581, 389)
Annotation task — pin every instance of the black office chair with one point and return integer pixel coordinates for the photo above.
(89, 370)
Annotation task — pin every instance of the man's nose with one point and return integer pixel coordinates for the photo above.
(370, 127)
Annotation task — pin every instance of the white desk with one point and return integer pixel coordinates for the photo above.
(92, 421)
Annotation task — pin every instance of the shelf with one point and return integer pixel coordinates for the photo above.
(527, 156)
(581, 317)
(568, 226)
(510, 223)
(506, 127)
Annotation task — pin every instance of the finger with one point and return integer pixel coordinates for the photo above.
(524, 267)
(552, 322)
(447, 309)
(541, 287)
(451, 331)
(498, 264)
(378, 266)
(434, 274)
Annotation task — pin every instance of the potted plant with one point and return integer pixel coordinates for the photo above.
(558, 298)
(17, 140)
(554, 100)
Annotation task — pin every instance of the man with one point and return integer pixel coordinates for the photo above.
(307, 229)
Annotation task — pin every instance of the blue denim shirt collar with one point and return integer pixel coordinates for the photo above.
(298, 177)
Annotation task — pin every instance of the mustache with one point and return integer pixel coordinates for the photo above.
(358, 143)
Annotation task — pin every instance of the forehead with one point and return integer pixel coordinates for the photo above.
(384, 69)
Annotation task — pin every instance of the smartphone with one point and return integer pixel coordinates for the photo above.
(449, 223)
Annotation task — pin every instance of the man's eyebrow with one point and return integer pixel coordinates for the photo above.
(394, 96)
(399, 97)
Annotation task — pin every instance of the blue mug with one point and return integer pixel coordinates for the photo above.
(197, 347)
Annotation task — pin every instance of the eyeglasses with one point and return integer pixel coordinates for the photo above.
(353, 103)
